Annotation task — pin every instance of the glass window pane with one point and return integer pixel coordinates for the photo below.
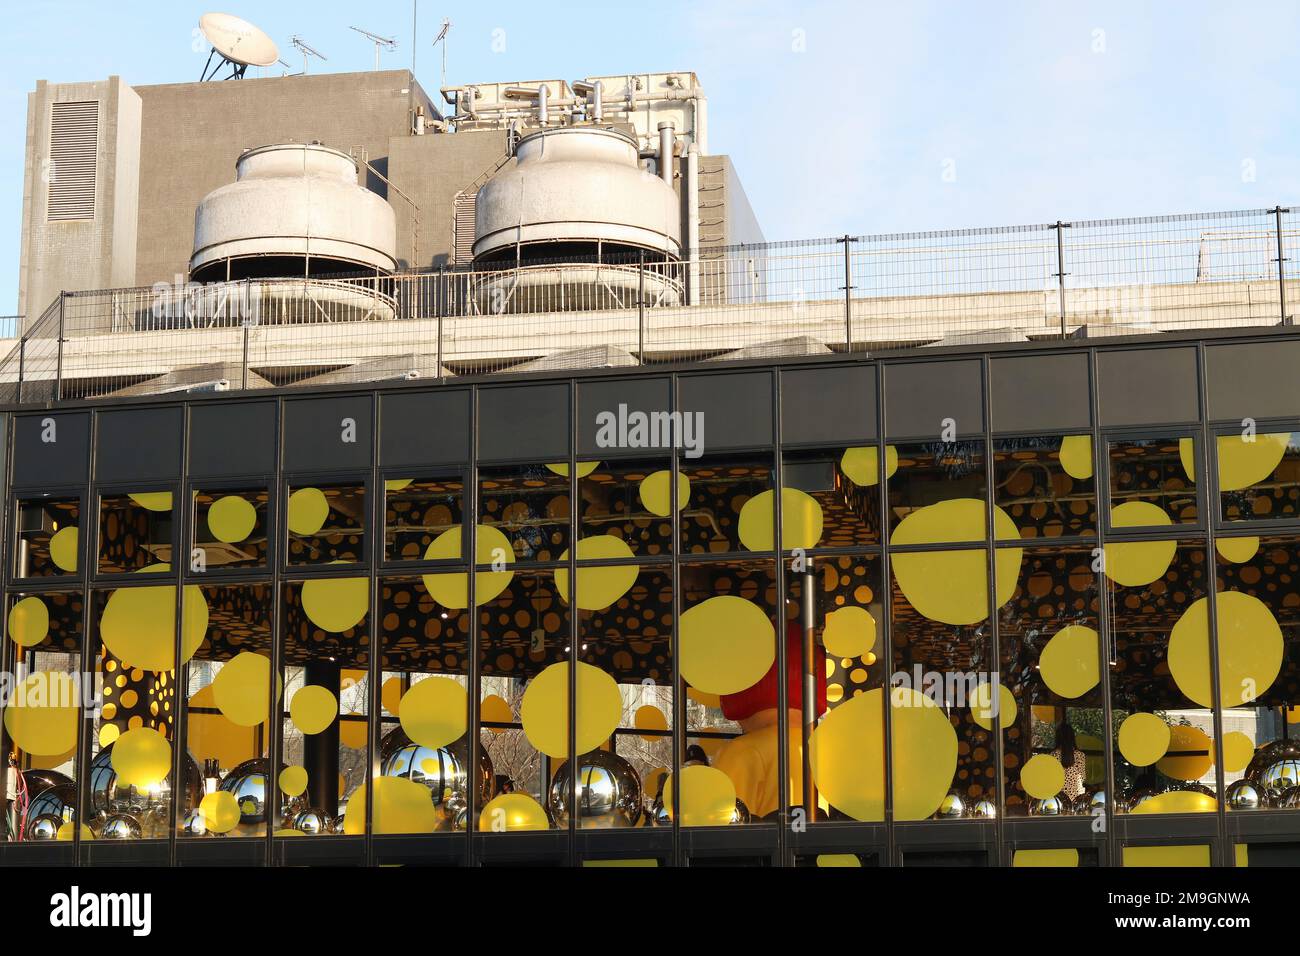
(1259, 476)
(831, 499)
(417, 513)
(135, 531)
(47, 537)
(946, 474)
(631, 501)
(1152, 482)
(529, 507)
(326, 523)
(1045, 486)
(721, 488)
(230, 528)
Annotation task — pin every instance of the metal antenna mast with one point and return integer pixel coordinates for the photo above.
(306, 50)
(388, 43)
(442, 38)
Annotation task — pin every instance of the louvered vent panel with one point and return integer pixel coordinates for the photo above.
(74, 136)
(464, 227)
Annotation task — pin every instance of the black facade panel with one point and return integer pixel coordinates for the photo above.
(832, 406)
(232, 439)
(139, 444)
(327, 434)
(646, 395)
(1151, 386)
(736, 408)
(1253, 380)
(1043, 393)
(424, 428)
(524, 422)
(51, 449)
(920, 397)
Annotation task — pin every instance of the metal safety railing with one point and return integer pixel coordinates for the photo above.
(867, 293)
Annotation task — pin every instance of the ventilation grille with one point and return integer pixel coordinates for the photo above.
(74, 136)
(463, 230)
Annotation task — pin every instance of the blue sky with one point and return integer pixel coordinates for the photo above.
(840, 116)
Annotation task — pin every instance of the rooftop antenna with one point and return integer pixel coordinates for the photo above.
(388, 43)
(442, 38)
(306, 50)
(286, 66)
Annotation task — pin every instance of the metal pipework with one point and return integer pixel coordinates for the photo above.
(597, 107)
(667, 137)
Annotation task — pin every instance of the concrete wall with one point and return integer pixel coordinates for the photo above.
(93, 253)
(194, 132)
(432, 169)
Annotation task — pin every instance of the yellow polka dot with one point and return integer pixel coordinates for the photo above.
(1138, 563)
(434, 712)
(1237, 550)
(336, 604)
(585, 468)
(981, 706)
(313, 709)
(1178, 801)
(1238, 749)
(240, 689)
(1242, 461)
(801, 521)
(655, 492)
(1058, 858)
(850, 632)
(1076, 456)
(293, 780)
(861, 464)
(1042, 776)
(63, 549)
(497, 710)
(129, 699)
(726, 644)
(153, 500)
(308, 511)
(511, 812)
(42, 715)
(598, 588)
(401, 806)
(29, 621)
(1069, 661)
(490, 547)
(138, 624)
(219, 811)
(231, 519)
(649, 717)
(544, 711)
(141, 757)
(708, 797)
(1143, 739)
(1190, 754)
(1250, 649)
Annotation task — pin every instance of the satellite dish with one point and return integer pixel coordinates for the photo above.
(238, 43)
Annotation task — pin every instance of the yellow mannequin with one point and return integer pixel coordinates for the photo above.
(751, 761)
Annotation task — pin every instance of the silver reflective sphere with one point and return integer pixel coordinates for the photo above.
(984, 809)
(1091, 800)
(247, 782)
(194, 824)
(1246, 795)
(1289, 798)
(442, 770)
(609, 791)
(1276, 765)
(952, 807)
(121, 826)
(1049, 806)
(44, 827)
(312, 821)
(336, 825)
(107, 797)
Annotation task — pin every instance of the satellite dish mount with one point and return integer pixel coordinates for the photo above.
(236, 44)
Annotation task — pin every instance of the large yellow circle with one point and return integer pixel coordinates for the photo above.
(434, 712)
(598, 588)
(847, 755)
(29, 621)
(726, 645)
(313, 708)
(138, 624)
(42, 715)
(1178, 801)
(141, 758)
(293, 780)
(1076, 456)
(981, 706)
(240, 689)
(1069, 662)
(1250, 649)
(850, 632)
(1238, 749)
(1237, 550)
(1143, 739)
(220, 811)
(1243, 461)
(861, 464)
(952, 586)
(1134, 564)
(585, 468)
(544, 710)
(336, 604)
(708, 797)
(452, 590)
(1042, 776)
(308, 511)
(1190, 754)
(512, 812)
(649, 717)
(801, 521)
(655, 492)
(153, 500)
(63, 549)
(231, 519)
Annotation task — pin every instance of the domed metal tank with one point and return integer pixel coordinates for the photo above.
(566, 223)
(295, 209)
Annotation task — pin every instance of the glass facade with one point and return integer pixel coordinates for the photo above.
(904, 612)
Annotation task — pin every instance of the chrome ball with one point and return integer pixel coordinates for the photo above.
(106, 797)
(1289, 798)
(194, 824)
(609, 791)
(984, 809)
(952, 807)
(247, 783)
(1091, 801)
(1246, 795)
(442, 770)
(1276, 765)
(1049, 806)
(313, 822)
(336, 825)
(44, 827)
(121, 826)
